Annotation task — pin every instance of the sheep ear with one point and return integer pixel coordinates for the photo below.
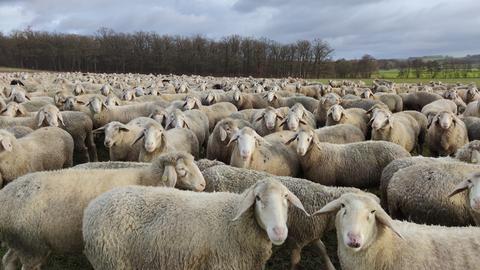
(169, 176)
(259, 118)
(4, 110)
(293, 199)
(386, 220)
(124, 128)
(40, 118)
(80, 102)
(104, 106)
(27, 97)
(60, 117)
(185, 124)
(234, 138)
(22, 110)
(302, 121)
(139, 137)
(279, 116)
(460, 187)
(292, 139)
(223, 134)
(246, 203)
(330, 207)
(197, 104)
(283, 123)
(7, 144)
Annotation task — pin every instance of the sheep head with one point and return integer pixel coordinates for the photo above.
(14, 109)
(270, 116)
(381, 119)
(444, 119)
(358, 218)
(247, 140)
(6, 141)
(270, 200)
(113, 133)
(336, 112)
(472, 186)
(49, 115)
(96, 105)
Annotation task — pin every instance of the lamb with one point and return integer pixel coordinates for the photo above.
(268, 120)
(354, 164)
(399, 128)
(240, 232)
(368, 238)
(44, 149)
(324, 104)
(221, 135)
(49, 205)
(417, 100)
(158, 141)
(195, 120)
(267, 154)
(215, 112)
(77, 124)
(354, 116)
(303, 231)
(446, 134)
(119, 138)
(426, 200)
(297, 115)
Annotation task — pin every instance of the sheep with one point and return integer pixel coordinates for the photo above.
(268, 120)
(215, 96)
(473, 109)
(357, 164)
(119, 138)
(240, 232)
(417, 100)
(215, 112)
(473, 127)
(276, 101)
(18, 95)
(393, 101)
(354, 116)
(446, 134)
(195, 120)
(157, 141)
(221, 135)
(13, 109)
(365, 104)
(303, 231)
(44, 149)
(113, 100)
(49, 205)
(399, 128)
(243, 101)
(338, 134)
(267, 154)
(312, 91)
(453, 96)
(106, 90)
(19, 131)
(77, 124)
(297, 116)
(420, 193)
(324, 104)
(368, 238)
(247, 114)
(431, 109)
(469, 95)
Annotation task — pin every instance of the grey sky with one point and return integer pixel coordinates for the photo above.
(383, 28)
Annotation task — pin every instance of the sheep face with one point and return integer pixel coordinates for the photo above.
(105, 90)
(18, 96)
(226, 128)
(49, 115)
(381, 119)
(78, 90)
(271, 96)
(113, 133)
(189, 176)
(259, 89)
(304, 139)
(444, 120)
(139, 92)
(159, 115)
(191, 103)
(336, 112)
(357, 220)
(128, 94)
(14, 109)
(112, 101)
(270, 200)
(472, 93)
(367, 94)
(153, 138)
(210, 98)
(330, 99)
(270, 116)
(96, 105)
(59, 98)
(237, 96)
(177, 120)
(472, 186)
(6, 141)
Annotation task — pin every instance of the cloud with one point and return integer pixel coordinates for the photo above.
(382, 28)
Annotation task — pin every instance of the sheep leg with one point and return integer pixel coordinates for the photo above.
(296, 256)
(324, 255)
(92, 148)
(80, 151)
(10, 260)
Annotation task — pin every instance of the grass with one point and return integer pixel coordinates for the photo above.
(10, 69)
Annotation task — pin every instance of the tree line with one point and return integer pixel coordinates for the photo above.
(146, 52)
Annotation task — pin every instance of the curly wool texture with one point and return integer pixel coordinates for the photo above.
(420, 193)
(143, 228)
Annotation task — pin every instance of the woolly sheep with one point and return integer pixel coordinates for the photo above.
(303, 230)
(222, 133)
(13, 109)
(157, 141)
(276, 101)
(268, 120)
(431, 109)
(417, 100)
(473, 127)
(324, 104)
(195, 120)
(19, 131)
(365, 104)
(446, 134)
(473, 109)
(240, 232)
(267, 154)
(399, 128)
(367, 237)
(298, 116)
(353, 116)
(338, 134)
(454, 97)
(49, 205)
(354, 164)
(215, 112)
(44, 149)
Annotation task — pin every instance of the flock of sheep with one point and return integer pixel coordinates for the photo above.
(208, 173)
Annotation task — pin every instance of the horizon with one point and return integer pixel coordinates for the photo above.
(385, 29)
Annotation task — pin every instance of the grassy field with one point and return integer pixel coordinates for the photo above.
(9, 69)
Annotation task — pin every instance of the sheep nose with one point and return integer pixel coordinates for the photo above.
(280, 232)
(353, 240)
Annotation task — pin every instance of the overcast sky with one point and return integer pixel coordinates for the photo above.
(382, 28)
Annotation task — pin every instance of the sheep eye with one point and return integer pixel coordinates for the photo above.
(469, 181)
(372, 212)
(257, 198)
(286, 195)
(342, 205)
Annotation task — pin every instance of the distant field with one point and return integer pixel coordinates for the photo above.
(9, 69)
(412, 80)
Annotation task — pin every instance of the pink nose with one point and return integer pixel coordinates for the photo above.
(353, 240)
(245, 154)
(280, 232)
